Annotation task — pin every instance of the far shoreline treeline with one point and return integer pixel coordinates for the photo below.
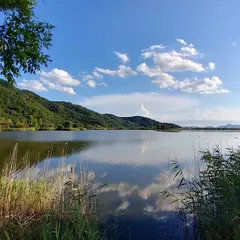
(22, 110)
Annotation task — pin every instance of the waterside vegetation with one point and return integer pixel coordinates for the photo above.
(45, 206)
(208, 201)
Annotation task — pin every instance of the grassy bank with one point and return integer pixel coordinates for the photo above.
(46, 206)
(209, 201)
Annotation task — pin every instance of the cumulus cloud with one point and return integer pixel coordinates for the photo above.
(87, 77)
(97, 75)
(57, 87)
(123, 189)
(165, 80)
(146, 70)
(204, 86)
(123, 56)
(32, 85)
(211, 66)
(175, 62)
(56, 79)
(162, 63)
(181, 41)
(59, 76)
(144, 111)
(91, 83)
(149, 209)
(160, 46)
(123, 206)
(179, 61)
(188, 51)
(122, 72)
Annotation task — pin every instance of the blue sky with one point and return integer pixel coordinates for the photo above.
(175, 61)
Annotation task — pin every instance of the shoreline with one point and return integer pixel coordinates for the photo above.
(116, 129)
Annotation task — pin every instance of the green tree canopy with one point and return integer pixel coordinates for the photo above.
(23, 39)
(68, 124)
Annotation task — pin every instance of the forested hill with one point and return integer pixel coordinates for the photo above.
(23, 109)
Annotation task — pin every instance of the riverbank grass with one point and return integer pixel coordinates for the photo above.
(209, 201)
(44, 207)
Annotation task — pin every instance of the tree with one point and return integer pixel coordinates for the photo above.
(23, 39)
(68, 124)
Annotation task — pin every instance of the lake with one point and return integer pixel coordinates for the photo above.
(133, 164)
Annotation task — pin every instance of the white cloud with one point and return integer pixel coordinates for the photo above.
(122, 72)
(87, 77)
(147, 54)
(123, 189)
(144, 111)
(204, 86)
(60, 76)
(181, 41)
(126, 104)
(91, 83)
(234, 44)
(174, 62)
(103, 84)
(151, 72)
(165, 80)
(188, 51)
(160, 46)
(211, 66)
(57, 87)
(123, 56)
(107, 71)
(217, 114)
(55, 79)
(123, 206)
(149, 209)
(97, 75)
(165, 62)
(32, 85)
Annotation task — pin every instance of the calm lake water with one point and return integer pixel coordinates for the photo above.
(133, 164)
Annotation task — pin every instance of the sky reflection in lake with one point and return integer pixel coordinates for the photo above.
(135, 167)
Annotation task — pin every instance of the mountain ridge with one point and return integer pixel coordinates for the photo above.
(23, 108)
(230, 126)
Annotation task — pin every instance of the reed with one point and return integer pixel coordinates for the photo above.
(209, 201)
(46, 206)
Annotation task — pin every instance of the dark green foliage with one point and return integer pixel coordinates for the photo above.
(67, 124)
(21, 5)
(23, 40)
(21, 108)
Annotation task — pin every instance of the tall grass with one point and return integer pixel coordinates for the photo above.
(209, 202)
(45, 207)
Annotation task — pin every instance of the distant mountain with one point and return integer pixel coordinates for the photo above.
(22, 108)
(230, 126)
